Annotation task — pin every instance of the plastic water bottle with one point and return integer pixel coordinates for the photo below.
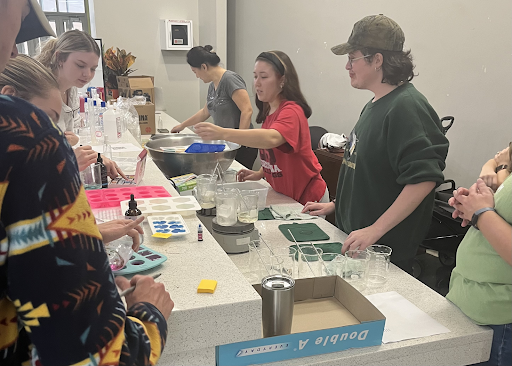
(99, 122)
(92, 123)
(112, 124)
(107, 148)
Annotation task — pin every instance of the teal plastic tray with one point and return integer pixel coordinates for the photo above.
(141, 261)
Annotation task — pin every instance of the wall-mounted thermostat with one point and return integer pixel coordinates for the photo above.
(176, 34)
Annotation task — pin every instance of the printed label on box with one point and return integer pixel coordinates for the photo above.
(300, 344)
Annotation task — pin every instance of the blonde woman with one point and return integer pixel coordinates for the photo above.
(72, 58)
(27, 79)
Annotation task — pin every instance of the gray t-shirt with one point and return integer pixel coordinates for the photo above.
(221, 107)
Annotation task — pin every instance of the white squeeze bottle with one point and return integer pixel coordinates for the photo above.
(111, 124)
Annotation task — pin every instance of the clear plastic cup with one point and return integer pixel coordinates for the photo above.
(356, 268)
(119, 252)
(378, 266)
(310, 261)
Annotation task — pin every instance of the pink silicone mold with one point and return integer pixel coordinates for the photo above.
(110, 197)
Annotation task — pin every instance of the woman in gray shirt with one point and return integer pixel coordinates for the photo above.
(227, 102)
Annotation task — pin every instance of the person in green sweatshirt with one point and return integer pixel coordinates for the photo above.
(396, 152)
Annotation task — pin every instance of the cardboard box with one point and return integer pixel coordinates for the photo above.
(146, 118)
(130, 86)
(329, 316)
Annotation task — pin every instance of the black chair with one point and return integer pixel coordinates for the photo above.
(445, 232)
(316, 133)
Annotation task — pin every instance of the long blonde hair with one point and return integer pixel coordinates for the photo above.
(28, 77)
(57, 50)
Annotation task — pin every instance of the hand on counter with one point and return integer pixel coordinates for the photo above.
(178, 128)
(246, 174)
(317, 209)
(71, 137)
(361, 239)
(112, 169)
(85, 156)
(116, 229)
(147, 290)
(209, 131)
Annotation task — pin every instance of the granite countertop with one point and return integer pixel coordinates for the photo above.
(233, 313)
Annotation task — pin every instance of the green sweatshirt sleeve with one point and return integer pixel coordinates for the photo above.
(417, 147)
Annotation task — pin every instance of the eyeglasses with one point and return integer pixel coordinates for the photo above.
(351, 60)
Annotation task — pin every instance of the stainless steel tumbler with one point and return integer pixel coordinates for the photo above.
(277, 304)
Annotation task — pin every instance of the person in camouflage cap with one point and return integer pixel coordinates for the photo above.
(396, 152)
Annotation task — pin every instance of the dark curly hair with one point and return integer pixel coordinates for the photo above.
(397, 66)
(202, 55)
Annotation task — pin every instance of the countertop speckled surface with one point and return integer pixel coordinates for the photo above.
(233, 313)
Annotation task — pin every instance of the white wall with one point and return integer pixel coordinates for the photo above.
(134, 26)
(462, 51)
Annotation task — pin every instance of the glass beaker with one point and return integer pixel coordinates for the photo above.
(288, 256)
(310, 261)
(206, 184)
(91, 176)
(227, 205)
(356, 268)
(230, 176)
(334, 264)
(248, 207)
(378, 266)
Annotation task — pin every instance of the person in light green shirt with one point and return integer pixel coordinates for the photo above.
(481, 283)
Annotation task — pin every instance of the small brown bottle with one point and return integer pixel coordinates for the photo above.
(133, 212)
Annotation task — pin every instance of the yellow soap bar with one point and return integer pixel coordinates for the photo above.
(161, 235)
(208, 286)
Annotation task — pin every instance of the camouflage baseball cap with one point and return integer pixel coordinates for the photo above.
(374, 31)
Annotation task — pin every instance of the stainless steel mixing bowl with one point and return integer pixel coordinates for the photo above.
(173, 164)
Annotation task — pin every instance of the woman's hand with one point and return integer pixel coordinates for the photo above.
(479, 196)
(85, 156)
(490, 178)
(453, 201)
(246, 174)
(71, 137)
(115, 229)
(178, 128)
(209, 131)
(503, 157)
(317, 209)
(112, 169)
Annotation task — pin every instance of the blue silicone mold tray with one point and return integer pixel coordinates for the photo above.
(168, 224)
(141, 261)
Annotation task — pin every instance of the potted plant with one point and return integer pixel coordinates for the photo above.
(117, 63)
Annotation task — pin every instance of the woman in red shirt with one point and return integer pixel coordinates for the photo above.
(287, 160)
